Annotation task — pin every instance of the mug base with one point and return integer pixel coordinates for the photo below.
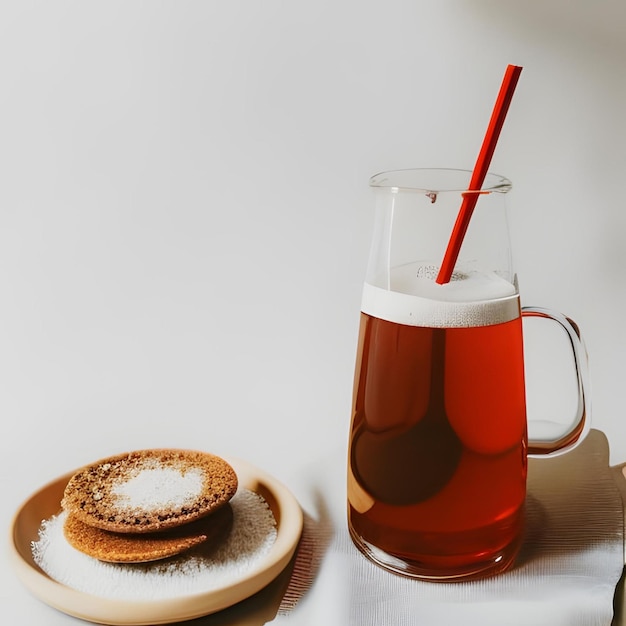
(439, 569)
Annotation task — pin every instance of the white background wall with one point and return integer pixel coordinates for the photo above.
(185, 211)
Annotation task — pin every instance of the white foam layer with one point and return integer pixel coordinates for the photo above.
(411, 296)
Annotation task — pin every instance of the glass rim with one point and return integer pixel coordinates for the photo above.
(436, 180)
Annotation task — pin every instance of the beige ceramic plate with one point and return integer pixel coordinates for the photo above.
(46, 503)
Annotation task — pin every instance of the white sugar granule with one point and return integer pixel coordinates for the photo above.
(156, 488)
(206, 568)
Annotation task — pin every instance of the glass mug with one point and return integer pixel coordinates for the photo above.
(438, 442)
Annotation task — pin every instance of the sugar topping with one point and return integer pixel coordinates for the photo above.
(149, 490)
(155, 488)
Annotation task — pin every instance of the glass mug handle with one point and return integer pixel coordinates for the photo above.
(580, 424)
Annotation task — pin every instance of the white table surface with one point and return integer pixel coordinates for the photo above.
(185, 216)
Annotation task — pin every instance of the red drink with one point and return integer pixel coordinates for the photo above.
(437, 467)
(438, 442)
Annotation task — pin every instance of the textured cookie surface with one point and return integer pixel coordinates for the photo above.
(149, 490)
(144, 547)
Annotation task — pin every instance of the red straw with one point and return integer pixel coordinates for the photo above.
(501, 107)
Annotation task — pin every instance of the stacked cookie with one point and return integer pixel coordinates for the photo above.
(148, 505)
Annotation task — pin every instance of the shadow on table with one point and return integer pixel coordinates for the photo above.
(283, 594)
(619, 615)
(618, 602)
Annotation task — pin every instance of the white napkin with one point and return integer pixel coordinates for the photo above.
(566, 574)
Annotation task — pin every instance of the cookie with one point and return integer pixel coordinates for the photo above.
(144, 547)
(149, 490)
